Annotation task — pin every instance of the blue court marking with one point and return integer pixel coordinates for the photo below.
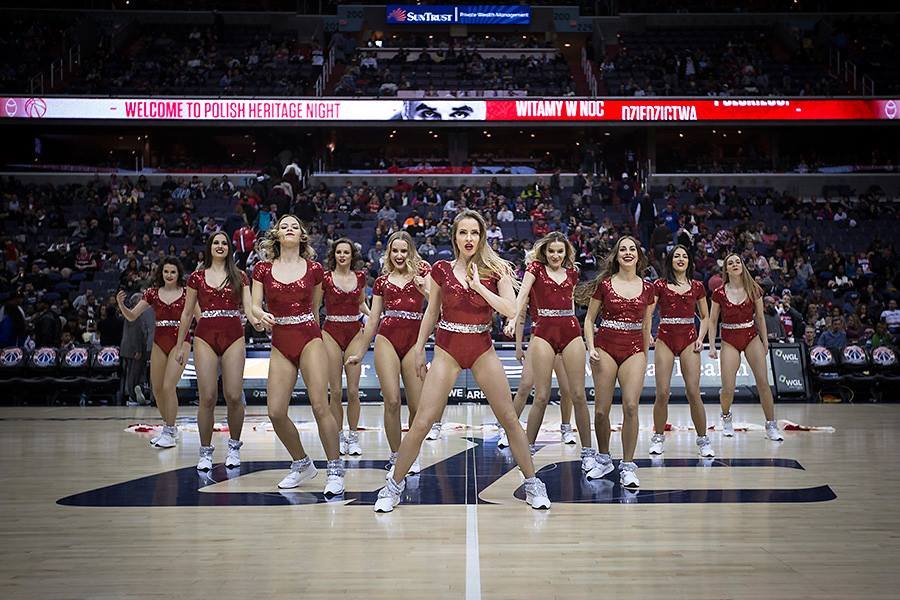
(445, 482)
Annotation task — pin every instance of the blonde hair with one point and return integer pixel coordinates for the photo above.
(610, 267)
(414, 260)
(488, 262)
(750, 286)
(539, 251)
(269, 246)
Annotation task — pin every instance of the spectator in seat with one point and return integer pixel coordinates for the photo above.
(882, 336)
(834, 338)
(891, 316)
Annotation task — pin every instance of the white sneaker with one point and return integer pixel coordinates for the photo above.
(389, 496)
(603, 466)
(566, 435)
(205, 463)
(139, 396)
(536, 494)
(728, 425)
(504, 441)
(166, 439)
(435, 432)
(772, 431)
(342, 443)
(353, 447)
(532, 449)
(416, 468)
(588, 462)
(233, 459)
(628, 475)
(334, 483)
(656, 443)
(301, 470)
(704, 448)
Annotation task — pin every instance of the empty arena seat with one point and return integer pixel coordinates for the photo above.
(44, 360)
(12, 361)
(106, 359)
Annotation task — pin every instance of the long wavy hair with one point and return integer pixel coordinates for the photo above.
(670, 269)
(355, 256)
(490, 265)
(156, 280)
(232, 273)
(414, 260)
(609, 267)
(268, 246)
(539, 251)
(749, 284)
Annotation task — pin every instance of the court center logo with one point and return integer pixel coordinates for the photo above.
(442, 484)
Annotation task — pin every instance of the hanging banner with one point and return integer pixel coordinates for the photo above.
(318, 110)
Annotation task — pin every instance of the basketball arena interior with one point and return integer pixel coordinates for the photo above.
(307, 298)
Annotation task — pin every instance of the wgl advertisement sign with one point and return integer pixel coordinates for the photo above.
(483, 14)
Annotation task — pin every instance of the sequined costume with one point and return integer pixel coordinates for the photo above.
(168, 318)
(620, 331)
(676, 314)
(342, 322)
(738, 323)
(220, 312)
(401, 312)
(464, 330)
(554, 308)
(291, 305)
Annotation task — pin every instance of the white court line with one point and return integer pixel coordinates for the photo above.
(473, 552)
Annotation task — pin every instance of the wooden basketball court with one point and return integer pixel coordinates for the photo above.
(90, 511)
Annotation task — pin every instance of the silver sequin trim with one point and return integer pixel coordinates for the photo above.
(555, 312)
(294, 319)
(676, 321)
(342, 318)
(212, 314)
(404, 314)
(168, 323)
(621, 325)
(738, 325)
(463, 327)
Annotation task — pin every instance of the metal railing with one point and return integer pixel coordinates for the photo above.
(325, 75)
(588, 70)
(847, 71)
(59, 69)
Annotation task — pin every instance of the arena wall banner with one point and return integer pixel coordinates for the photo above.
(322, 110)
(455, 14)
(466, 389)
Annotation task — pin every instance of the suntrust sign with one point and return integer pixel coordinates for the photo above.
(487, 14)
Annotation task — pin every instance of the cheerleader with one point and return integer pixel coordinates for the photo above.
(464, 294)
(515, 328)
(291, 283)
(618, 349)
(679, 298)
(739, 300)
(218, 341)
(344, 293)
(552, 276)
(166, 296)
(398, 296)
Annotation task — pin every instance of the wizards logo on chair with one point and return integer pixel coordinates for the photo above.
(444, 483)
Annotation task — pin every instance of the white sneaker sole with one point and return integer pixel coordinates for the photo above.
(385, 505)
(600, 471)
(334, 488)
(163, 443)
(708, 454)
(569, 439)
(433, 436)
(232, 463)
(305, 475)
(538, 503)
(204, 468)
(631, 485)
(354, 451)
(656, 451)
